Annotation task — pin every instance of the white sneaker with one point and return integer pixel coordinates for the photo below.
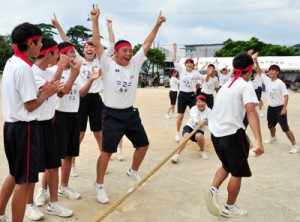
(252, 153)
(73, 172)
(69, 193)
(212, 202)
(41, 197)
(271, 140)
(203, 155)
(4, 218)
(235, 211)
(120, 154)
(177, 137)
(134, 176)
(167, 116)
(33, 212)
(100, 193)
(57, 209)
(295, 149)
(175, 158)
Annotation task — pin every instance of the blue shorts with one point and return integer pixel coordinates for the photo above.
(67, 132)
(90, 107)
(173, 97)
(119, 122)
(188, 129)
(233, 151)
(185, 99)
(22, 149)
(274, 117)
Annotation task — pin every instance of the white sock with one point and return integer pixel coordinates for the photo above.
(214, 189)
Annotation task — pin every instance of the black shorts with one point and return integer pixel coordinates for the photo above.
(258, 92)
(274, 117)
(173, 97)
(185, 99)
(209, 99)
(119, 122)
(233, 151)
(90, 107)
(67, 133)
(22, 149)
(188, 129)
(49, 152)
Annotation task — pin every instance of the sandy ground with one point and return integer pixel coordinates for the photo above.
(175, 192)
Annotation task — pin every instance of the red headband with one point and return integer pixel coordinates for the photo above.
(189, 60)
(275, 69)
(117, 47)
(63, 50)
(238, 73)
(35, 37)
(202, 97)
(51, 49)
(88, 42)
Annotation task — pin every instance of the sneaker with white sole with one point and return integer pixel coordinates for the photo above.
(134, 176)
(73, 172)
(33, 212)
(167, 116)
(100, 193)
(41, 197)
(4, 218)
(120, 154)
(295, 149)
(177, 137)
(203, 155)
(271, 140)
(252, 153)
(212, 202)
(234, 211)
(58, 209)
(175, 158)
(69, 193)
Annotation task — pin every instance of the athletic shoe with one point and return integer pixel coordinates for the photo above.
(203, 155)
(167, 116)
(73, 172)
(234, 211)
(177, 137)
(175, 158)
(134, 176)
(100, 194)
(69, 193)
(252, 153)
(174, 115)
(33, 212)
(4, 218)
(57, 209)
(41, 197)
(271, 140)
(212, 202)
(295, 149)
(120, 154)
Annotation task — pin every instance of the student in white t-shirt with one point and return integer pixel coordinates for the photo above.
(278, 97)
(174, 86)
(120, 80)
(229, 137)
(199, 115)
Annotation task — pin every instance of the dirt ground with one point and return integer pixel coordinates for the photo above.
(175, 192)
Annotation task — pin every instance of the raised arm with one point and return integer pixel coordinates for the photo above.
(174, 52)
(95, 13)
(61, 32)
(255, 59)
(150, 38)
(111, 36)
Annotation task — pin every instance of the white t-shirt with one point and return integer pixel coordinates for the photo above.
(188, 80)
(47, 109)
(257, 81)
(229, 111)
(196, 115)
(209, 86)
(18, 87)
(174, 84)
(120, 82)
(276, 90)
(224, 78)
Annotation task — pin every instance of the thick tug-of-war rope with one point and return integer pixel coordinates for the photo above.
(121, 199)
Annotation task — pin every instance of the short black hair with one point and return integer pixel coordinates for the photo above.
(47, 43)
(274, 67)
(22, 32)
(241, 61)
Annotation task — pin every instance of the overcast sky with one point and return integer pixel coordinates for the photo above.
(188, 22)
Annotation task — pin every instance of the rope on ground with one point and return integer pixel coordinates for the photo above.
(121, 199)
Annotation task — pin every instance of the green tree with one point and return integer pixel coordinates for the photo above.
(47, 30)
(77, 35)
(231, 48)
(155, 57)
(6, 50)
